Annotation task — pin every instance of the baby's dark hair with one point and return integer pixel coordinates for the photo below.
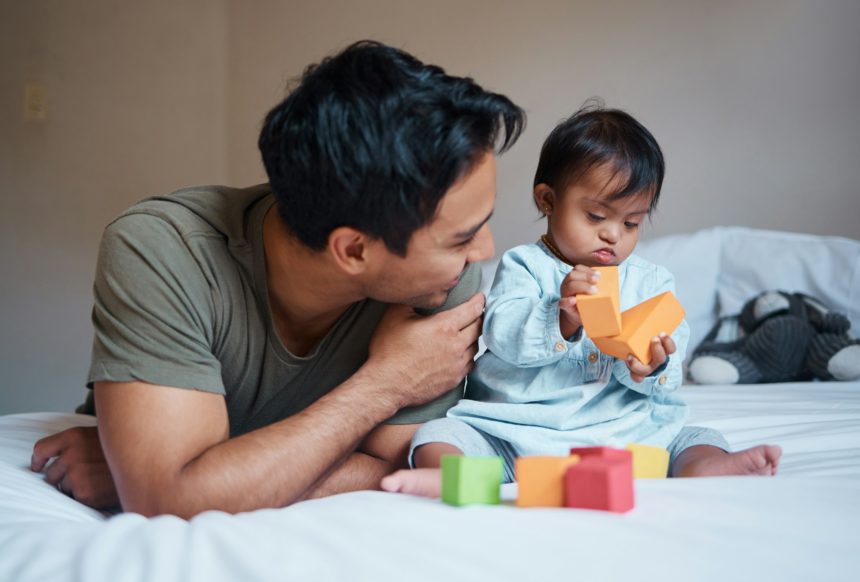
(595, 136)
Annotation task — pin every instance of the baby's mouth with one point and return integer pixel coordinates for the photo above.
(604, 255)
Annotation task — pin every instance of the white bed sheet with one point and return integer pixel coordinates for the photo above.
(800, 525)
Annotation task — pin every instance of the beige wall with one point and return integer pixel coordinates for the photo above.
(755, 104)
(136, 106)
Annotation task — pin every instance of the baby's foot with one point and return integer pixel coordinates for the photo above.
(423, 482)
(760, 460)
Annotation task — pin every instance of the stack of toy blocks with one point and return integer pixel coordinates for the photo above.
(620, 334)
(602, 479)
(471, 480)
(589, 478)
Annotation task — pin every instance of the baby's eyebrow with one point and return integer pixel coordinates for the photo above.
(612, 208)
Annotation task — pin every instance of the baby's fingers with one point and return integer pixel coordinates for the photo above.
(658, 353)
(568, 304)
(580, 280)
(638, 370)
(668, 344)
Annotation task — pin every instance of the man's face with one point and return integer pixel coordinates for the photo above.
(438, 253)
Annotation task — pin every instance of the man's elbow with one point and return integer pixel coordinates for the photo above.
(164, 499)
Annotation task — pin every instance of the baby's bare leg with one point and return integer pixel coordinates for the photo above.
(708, 461)
(426, 478)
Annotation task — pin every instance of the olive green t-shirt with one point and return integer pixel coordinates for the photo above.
(181, 301)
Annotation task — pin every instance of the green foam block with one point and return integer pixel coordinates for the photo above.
(469, 480)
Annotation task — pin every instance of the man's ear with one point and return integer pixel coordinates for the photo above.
(350, 249)
(544, 198)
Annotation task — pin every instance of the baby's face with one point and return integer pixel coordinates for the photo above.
(591, 230)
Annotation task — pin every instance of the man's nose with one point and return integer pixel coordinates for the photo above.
(483, 247)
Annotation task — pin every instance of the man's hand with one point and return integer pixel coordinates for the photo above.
(78, 468)
(580, 280)
(661, 348)
(424, 356)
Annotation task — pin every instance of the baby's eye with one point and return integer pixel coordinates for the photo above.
(595, 217)
(631, 224)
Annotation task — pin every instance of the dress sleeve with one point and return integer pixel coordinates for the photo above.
(521, 326)
(153, 309)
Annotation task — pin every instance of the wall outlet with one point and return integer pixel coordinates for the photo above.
(35, 102)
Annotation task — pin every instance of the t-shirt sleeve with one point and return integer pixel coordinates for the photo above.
(470, 283)
(153, 309)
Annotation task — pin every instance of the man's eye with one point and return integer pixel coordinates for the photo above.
(464, 243)
(631, 224)
(595, 217)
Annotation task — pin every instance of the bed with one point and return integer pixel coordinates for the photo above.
(803, 524)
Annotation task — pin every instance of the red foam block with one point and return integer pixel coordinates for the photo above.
(600, 482)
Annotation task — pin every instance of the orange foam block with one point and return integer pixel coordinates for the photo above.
(639, 324)
(601, 311)
(540, 480)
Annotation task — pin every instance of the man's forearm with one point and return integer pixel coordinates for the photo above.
(358, 472)
(269, 467)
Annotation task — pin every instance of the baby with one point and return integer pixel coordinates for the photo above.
(542, 386)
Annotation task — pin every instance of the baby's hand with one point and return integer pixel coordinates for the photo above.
(581, 279)
(661, 348)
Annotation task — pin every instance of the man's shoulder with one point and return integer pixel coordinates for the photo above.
(200, 210)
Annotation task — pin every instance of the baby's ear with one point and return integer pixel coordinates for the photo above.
(544, 197)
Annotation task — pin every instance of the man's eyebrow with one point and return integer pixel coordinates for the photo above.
(471, 232)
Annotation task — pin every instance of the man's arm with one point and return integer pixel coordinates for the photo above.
(80, 469)
(169, 451)
(384, 450)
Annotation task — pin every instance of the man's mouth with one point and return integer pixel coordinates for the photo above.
(455, 281)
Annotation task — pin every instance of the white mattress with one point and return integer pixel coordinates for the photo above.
(801, 525)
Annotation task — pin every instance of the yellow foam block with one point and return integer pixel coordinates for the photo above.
(540, 480)
(601, 311)
(649, 462)
(639, 324)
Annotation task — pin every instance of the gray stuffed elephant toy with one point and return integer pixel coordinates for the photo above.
(777, 337)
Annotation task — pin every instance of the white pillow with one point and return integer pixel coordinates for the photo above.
(694, 260)
(753, 261)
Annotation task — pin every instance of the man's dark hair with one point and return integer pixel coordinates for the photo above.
(593, 137)
(373, 138)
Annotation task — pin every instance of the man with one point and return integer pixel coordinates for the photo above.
(260, 346)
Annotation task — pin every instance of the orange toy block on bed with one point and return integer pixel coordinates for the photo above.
(540, 480)
(601, 311)
(639, 324)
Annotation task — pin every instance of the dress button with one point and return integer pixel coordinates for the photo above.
(592, 357)
(662, 379)
(559, 346)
